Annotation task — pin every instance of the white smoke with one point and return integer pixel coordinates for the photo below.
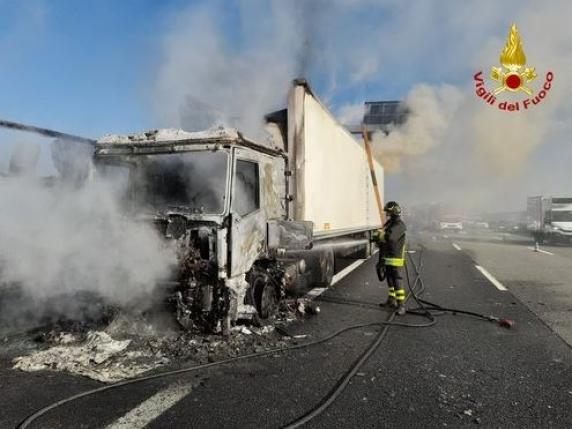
(59, 240)
(233, 65)
(430, 113)
(482, 158)
(351, 114)
(207, 79)
(454, 147)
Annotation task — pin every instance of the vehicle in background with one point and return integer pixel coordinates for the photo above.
(476, 225)
(451, 223)
(549, 218)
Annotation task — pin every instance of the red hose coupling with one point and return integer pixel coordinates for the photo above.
(506, 323)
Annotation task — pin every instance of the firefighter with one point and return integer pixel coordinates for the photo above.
(391, 242)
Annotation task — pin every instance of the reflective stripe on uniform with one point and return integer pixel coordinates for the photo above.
(394, 262)
(391, 292)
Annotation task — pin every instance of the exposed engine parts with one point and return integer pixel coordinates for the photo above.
(202, 299)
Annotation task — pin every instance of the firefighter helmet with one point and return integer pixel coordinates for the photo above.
(392, 208)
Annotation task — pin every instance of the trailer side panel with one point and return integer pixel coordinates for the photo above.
(333, 183)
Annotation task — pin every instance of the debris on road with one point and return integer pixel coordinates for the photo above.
(91, 357)
(131, 345)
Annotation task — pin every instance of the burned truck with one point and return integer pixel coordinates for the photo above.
(248, 220)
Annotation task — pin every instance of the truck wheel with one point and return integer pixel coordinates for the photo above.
(327, 264)
(268, 302)
(265, 297)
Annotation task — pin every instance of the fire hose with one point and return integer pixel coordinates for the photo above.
(425, 309)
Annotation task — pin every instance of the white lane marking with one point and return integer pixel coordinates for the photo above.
(347, 270)
(317, 291)
(456, 246)
(150, 409)
(490, 278)
(541, 251)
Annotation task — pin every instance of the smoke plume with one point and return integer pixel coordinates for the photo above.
(475, 156)
(62, 239)
(430, 113)
(233, 65)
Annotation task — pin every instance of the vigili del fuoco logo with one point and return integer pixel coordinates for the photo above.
(513, 77)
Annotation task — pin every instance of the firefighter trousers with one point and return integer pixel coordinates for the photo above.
(394, 282)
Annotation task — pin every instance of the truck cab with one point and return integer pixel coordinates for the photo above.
(242, 216)
(558, 220)
(550, 218)
(220, 201)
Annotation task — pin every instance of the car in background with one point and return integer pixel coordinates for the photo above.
(451, 223)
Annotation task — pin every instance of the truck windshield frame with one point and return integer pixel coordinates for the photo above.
(193, 182)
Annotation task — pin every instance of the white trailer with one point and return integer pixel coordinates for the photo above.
(549, 218)
(331, 177)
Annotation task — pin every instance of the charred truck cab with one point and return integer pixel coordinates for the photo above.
(220, 201)
(242, 216)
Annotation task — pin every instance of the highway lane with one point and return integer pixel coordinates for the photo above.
(461, 372)
(542, 280)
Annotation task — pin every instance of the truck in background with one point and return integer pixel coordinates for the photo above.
(549, 218)
(248, 220)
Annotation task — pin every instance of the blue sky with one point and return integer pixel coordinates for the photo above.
(88, 67)
(80, 66)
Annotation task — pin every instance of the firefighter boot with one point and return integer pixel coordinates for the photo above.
(391, 301)
(400, 298)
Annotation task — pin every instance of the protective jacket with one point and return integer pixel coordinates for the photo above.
(391, 242)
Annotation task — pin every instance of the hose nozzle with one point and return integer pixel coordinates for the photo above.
(506, 323)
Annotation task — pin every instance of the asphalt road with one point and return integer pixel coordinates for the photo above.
(462, 372)
(540, 279)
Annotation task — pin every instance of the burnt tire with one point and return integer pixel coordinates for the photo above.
(265, 297)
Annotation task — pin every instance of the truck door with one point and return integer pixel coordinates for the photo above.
(248, 219)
